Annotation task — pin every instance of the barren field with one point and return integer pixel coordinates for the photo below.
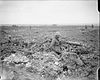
(49, 52)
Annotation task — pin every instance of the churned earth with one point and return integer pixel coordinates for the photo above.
(49, 52)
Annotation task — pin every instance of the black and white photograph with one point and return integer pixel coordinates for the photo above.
(49, 40)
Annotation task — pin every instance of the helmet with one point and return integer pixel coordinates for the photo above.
(57, 33)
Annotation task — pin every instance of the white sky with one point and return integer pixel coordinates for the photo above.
(49, 12)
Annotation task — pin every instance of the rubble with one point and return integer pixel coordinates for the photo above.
(50, 57)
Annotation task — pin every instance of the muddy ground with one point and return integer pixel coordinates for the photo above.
(22, 47)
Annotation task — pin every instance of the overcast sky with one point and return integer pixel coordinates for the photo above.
(49, 12)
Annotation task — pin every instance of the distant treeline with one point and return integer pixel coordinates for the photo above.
(45, 25)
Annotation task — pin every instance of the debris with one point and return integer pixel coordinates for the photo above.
(49, 56)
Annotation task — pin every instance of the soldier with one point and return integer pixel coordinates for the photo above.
(55, 43)
(55, 39)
